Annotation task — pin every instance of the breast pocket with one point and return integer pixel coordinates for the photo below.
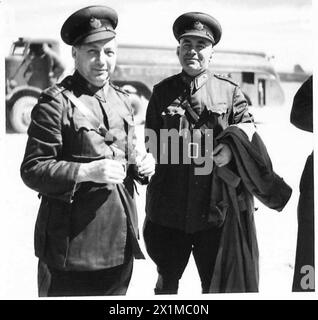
(89, 139)
(218, 118)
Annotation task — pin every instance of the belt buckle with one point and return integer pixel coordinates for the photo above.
(193, 146)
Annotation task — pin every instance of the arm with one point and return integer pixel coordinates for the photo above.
(240, 108)
(43, 169)
(239, 117)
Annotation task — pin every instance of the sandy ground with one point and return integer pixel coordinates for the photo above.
(288, 148)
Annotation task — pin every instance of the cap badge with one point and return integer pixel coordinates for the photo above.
(95, 23)
(198, 26)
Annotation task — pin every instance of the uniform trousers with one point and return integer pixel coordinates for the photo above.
(170, 249)
(111, 281)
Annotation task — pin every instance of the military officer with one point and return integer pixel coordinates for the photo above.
(177, 223)
(82, 160)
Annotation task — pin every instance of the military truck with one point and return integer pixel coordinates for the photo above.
(138, 69)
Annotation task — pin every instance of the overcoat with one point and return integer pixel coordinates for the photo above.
(237, 266)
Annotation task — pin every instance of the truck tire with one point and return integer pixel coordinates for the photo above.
(20, 113)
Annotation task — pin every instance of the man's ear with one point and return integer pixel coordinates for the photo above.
(73, 52)
(178, 50)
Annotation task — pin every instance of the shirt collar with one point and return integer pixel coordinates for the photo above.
(88, 88)
(196, 82)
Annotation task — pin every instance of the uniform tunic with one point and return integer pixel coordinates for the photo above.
(176, 196)
(80, 226)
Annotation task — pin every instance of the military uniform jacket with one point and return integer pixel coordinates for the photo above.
(176, 197)
(80, 226)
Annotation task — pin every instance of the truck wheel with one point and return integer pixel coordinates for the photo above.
(20, 113)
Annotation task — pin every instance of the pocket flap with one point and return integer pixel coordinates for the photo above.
(82, 122)
(219, 108)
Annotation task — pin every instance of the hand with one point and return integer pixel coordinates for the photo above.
(146, 165)
(222, 155)
(102, 171)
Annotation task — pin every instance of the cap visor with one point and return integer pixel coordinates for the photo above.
(101, 35)
(196, 34)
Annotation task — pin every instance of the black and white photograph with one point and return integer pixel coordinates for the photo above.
(157, 149)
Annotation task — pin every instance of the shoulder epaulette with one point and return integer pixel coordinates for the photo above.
(226, 78)
(165, 81)
(119, 89)
(53, 91)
